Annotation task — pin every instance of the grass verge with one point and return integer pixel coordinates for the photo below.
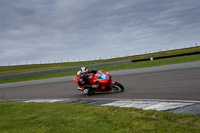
(75, 118)
(142, 64)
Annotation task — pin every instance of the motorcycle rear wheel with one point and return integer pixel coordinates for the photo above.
(118, 87)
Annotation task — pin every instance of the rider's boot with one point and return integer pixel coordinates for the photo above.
(79, 88)
(86, 91)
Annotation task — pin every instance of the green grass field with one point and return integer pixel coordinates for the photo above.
(84, 118)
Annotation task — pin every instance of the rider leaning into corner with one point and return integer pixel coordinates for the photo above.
(83, 83)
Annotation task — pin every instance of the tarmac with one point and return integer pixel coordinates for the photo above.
(174, 106)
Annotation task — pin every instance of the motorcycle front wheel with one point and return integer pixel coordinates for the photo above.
(118, 87)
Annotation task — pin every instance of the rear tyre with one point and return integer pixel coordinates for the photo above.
(118, 87)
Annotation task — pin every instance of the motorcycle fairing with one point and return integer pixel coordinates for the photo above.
(75, 80)
(103, 76)
(112, 82)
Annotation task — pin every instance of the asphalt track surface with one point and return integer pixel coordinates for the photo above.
(169, 82)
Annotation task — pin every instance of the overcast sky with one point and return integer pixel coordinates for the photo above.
(49, 30)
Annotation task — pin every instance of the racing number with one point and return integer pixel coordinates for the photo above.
(103, 76)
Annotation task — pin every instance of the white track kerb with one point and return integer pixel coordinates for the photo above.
(159, 105)
(149, 105)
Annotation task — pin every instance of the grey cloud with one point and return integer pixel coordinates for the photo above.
(45, 29)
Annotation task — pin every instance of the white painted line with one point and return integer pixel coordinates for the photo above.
(135, 104)
(167, 106)
(147, 105)
(45, 100)
(141, 104)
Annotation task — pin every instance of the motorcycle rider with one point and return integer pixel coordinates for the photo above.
(83, 83)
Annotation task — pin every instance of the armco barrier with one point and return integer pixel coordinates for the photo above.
(2, 77)
(163, 57)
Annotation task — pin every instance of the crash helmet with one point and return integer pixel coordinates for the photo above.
(84, 71)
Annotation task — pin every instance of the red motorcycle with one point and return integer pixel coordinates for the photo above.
(104, 81)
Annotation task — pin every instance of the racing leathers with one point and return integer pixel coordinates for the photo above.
(83, 81)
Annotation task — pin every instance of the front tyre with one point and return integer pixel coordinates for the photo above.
(118, 87)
